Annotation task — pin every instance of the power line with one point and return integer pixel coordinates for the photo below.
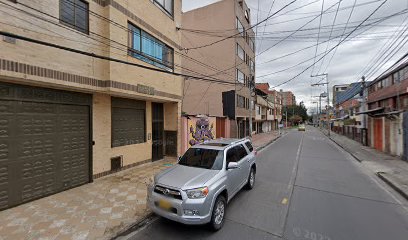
(331, 32)
(105, 38)
(388, 70)
(385, 47)
(258, 54)
(292, 53)
(275, 23)
(345, 27)
(125, 49)
(287, 37)
(52, 45)
(266, 19)
(318, 34)
(264, 27)
(359, 25)
(372, 13)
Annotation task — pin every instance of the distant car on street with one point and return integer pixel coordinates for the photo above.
(197, 189)
(302, 127)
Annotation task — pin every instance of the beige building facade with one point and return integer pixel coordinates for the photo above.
(227, 66)
(274, 105)
(67, 117)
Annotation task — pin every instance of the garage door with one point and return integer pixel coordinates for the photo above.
(44, 142)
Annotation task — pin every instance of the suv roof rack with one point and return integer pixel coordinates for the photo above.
(240, 140)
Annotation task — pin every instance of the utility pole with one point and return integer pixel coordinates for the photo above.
(363, 101)
(251, 91)
(328, 97)
(319, 105)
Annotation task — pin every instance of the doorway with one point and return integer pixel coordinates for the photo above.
(157, 131)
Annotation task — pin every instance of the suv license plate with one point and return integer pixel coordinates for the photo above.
(164, 204)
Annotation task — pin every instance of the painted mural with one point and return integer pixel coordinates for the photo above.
(202, 128)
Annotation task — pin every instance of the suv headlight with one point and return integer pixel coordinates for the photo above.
(197, 193)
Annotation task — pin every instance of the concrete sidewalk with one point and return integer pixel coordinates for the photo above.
(261, 140)
(99, 210)
(391, 170)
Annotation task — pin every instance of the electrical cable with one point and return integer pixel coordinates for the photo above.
(372, 13)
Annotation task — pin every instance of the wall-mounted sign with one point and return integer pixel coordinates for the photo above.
(145, 89)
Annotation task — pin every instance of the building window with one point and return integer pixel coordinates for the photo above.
(384, 103)
(240, 27)
(128, 122)
(396, 77)
(404, 73)
(240, 101)
(240, 76)
(147, 48)
(240, 52)
(166, 5)
(75, 13)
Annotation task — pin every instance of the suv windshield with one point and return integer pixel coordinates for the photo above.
(203, 158)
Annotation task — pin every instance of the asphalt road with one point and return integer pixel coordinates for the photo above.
(306, 188)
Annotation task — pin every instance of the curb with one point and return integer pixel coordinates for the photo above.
(391, 184)
(123, 234)
(341, 146)
(345, 149)
(381, 175)
(270, 142)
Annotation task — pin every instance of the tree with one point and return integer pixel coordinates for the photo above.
(293, 110)
(296, 119)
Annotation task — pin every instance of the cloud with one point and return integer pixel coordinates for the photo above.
(351, 57)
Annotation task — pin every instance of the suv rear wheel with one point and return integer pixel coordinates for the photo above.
(251, 179)
(218, 213)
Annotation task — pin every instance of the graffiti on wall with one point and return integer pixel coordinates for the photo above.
(201, 129)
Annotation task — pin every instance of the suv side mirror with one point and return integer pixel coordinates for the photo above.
(232, 165)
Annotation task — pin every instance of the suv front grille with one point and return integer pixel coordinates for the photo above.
(168, 192)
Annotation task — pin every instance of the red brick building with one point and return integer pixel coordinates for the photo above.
(288, 98)
(387, 105)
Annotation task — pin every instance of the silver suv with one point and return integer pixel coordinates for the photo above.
(198, 188)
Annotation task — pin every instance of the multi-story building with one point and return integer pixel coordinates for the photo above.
(337, 89)
(274, 99)
(232, 61)
(288, 98)
(93, 94)
(348, 103)
(387, 111)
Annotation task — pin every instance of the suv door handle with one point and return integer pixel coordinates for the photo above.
(248, 160)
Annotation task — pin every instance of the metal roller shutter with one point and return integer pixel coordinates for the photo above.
(44, 142)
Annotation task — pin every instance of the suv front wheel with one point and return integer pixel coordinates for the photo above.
(218, 213)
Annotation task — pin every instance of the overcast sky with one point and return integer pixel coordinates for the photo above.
(351, 57)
